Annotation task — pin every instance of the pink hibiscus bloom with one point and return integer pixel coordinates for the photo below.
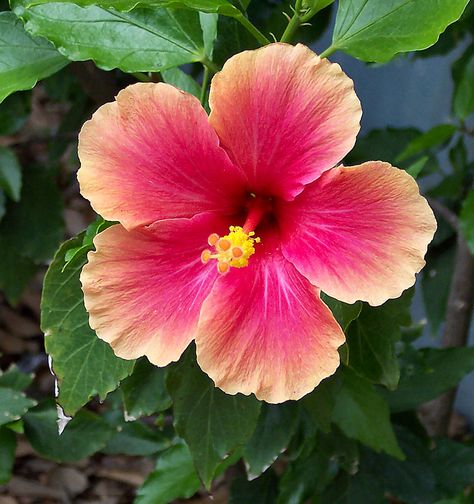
(230, 225)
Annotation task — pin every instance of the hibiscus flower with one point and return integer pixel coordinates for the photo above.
(231, 225)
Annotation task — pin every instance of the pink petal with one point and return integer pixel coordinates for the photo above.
(152, 155)
(284, 115)
(359, 232)
(264, 330)
(144, 288)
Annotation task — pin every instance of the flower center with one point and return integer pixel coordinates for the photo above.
(234, 249)
(231, 250)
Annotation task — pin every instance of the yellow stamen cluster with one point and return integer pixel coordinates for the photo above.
(232, 250)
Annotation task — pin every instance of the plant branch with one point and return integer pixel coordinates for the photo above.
(251, 28)
(327, 52)
(456, 329)
(448, 215)
(209, 64)
(205, 82)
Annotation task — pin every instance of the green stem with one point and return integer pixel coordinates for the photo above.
(205, 82)
(330, 50)
(291, 29)
(294, 24)
(210, 64)
(142, 77)
(251, 28)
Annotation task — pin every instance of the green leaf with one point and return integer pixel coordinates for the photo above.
(23, 59)
(7, 454)
(209, 31)
(362, 414)
(320, 403)
(213, 424)
(15, 379)
(10, 173)
(136, 439)
(305, 476)
(344, 313)
(467, 219)
(173, 477)
(13, 405)
(435, 282)
(84, 435)
(432, 138)
(263, 490)
(385, 144)
(144, 391)
(372, 339)
(275, 428)
(372, 30)
(181, 80)
(223, 7)
(35, 224)
(463, 75)
(427, 373)
(83, 364)
(417, 167)
(30, 232)
(142, 40)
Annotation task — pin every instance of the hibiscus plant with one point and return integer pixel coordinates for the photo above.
(233, 294)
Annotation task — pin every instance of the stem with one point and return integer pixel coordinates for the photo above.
(448, 215)
(209, 64)
(456, 329)
(251, 28)
(294, 24)
(142, 77)
(205, 82)
(330, 50)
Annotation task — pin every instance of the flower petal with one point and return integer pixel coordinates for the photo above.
(284, 115)
(264, 330)
(152, 155)
(359, 233)
(144, 288)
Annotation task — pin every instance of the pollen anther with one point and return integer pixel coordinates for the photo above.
(232, 250)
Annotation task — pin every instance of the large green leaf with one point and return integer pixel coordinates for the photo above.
(83, 364)
(10, 173)
(143, 40)
(467, 219)
(144, 392)
(374, 30)
(363, 414)
(372, 339)
(173, 477)
(23, 59)
(223, 7)
(7, 454)
(85, 434)
(429, 372)
(213, 424)
(275, 428)
(463, 75)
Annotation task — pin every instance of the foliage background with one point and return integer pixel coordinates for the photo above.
(375, 432)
